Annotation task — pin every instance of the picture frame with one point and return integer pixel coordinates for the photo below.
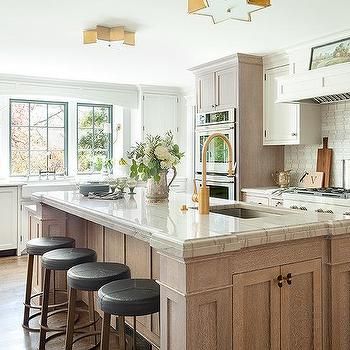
(330, 54)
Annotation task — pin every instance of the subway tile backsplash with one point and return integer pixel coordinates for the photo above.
(336, 125)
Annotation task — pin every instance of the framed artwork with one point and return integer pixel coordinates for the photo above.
(330, 54)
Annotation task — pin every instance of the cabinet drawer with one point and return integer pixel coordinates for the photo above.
(276, 202)
(256, 199)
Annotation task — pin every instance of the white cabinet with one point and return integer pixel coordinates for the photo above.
(217, 91)
(159, 113)
(263, 196)
(8, 218)
(286, 123)
(206, 93)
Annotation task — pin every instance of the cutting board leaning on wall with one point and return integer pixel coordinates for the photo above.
(324, 162)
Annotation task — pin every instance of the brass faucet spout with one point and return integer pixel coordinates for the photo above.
(203, 195)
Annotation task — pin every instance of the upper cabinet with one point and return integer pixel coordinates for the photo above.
(160, 112)
(217, 90)
(286, 123)
(236, 82)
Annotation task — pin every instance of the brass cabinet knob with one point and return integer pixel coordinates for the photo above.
(280, 281)
(183, 208)
(289, 278)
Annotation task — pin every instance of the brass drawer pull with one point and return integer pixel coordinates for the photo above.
(280, 281)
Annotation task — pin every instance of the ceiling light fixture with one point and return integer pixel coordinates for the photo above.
(222, 10)
(109, 35)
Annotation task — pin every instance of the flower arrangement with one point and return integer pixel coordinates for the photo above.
(153, 156)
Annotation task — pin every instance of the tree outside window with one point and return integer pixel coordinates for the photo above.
(94, 137)
(38, 137)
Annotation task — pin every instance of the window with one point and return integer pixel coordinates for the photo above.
(38, 136)
(94, 137)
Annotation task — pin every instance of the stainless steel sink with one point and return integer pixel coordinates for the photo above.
(244, 213)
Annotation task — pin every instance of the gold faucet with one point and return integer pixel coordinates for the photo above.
(203, 195)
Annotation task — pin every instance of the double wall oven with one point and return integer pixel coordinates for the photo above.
(223, 122)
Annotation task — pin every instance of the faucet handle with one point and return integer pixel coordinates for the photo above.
(232, 172)
(195, 192)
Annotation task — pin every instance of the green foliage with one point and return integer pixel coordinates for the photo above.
(157, 154)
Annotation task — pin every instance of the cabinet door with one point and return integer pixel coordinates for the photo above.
(255, 199)
(256, 310)
(8, 218)
(226, 88)
(301, 317)
(160, 114)
(281, 119)
(206, 93)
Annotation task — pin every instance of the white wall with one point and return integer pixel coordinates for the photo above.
(126, 113)
(336, 126)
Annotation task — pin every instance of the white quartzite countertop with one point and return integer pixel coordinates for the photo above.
(188, 234)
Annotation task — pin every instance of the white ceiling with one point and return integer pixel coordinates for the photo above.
(44, 37)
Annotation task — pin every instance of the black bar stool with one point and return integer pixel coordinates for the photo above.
(89, 277)
(59, 260)
(38, 247)
(131, 297)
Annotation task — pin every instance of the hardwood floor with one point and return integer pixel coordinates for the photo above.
(13, 336)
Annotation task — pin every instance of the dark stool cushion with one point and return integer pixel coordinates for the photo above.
(64, 259)
(92, 276)
(131, 297)
(40, 246)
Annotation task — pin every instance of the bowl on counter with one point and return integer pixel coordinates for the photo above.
(85, 189)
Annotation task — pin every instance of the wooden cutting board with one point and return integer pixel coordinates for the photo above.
(313, 180)
(324, 162)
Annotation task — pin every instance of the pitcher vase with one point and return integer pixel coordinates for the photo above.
(158, 191)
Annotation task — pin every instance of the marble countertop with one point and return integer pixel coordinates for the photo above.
(189, 234)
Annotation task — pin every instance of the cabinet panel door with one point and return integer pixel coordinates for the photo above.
(226, 88)
(281, 119)
(256, 310)
(160, 114)
(301, 316)
(340, 306)
(8, 218)
(206, 93)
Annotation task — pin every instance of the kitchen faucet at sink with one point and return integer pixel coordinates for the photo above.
(203, 195)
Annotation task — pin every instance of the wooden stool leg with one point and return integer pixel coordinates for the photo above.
(121, 331)
(44, 309)
(28, 290)
(135, 334)
(106, 324)
(71, 318)
(91, 306)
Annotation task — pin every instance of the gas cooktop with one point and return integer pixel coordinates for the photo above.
(335, 192)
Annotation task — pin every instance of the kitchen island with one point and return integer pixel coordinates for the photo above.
(277, 280)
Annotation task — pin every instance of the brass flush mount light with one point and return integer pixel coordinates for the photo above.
(222, 10)
(109, 35)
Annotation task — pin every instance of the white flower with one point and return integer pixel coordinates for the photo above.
(164, 165)
(162, 153)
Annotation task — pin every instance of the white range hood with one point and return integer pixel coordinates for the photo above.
(319, 86)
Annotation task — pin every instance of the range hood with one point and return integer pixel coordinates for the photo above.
(320, 86)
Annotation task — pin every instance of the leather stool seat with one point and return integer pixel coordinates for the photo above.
(40, 246)
(93, 275)
(65, 258)
(130, 297)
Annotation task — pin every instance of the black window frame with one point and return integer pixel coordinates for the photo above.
(65, 128)
(110, 135)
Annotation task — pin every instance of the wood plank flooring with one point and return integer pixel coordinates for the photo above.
(12, 335)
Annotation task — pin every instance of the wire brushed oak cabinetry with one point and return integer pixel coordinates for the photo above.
(236, 83)
(291, 294)
(278, 307)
